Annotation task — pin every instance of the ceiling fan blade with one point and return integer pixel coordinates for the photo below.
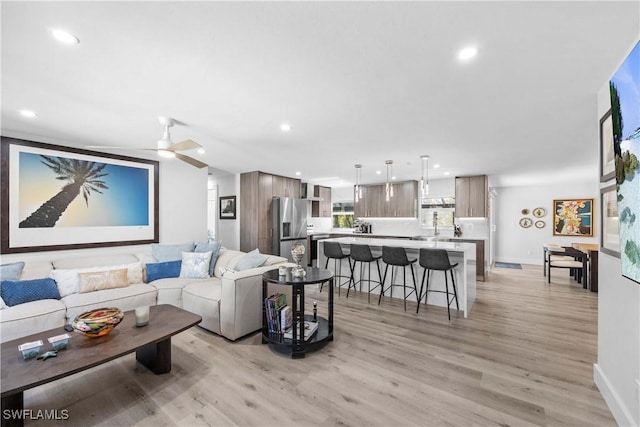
(191, 161)
(187, 144)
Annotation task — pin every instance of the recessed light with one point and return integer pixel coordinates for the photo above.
(64, 36)
(201, 151)
(298, 173)
(285, 127)
(467, 53)
(28, 113)
(393, 177)
(378, 172)
(436, 166)
(446, 173)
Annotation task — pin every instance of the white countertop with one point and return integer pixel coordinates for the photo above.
(404, 243)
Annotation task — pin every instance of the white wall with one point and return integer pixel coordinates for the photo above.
(183, 210)
(524, 245)
(617, 371)
(228, 230)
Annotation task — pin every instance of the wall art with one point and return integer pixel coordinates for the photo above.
(625, 116)
(609, 239)
(56, 198)
(228, 207)
(573, 217)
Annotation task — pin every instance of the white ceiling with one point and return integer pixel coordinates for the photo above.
(359, 82)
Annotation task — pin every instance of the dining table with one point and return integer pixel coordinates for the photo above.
(591, 249)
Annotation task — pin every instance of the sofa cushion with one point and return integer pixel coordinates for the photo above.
(195, 265)
(31, 318)
(11, 271)
(16, 292)
(204, 298)
(227, 260)
(214, 247)
(163, 253)
(162, 270)
(128, 298)
(252, 259)
(94, 261)
(99, 280)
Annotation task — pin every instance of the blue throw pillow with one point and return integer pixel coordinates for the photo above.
(16, 292)
(163, 270)
(251, 260)
(11, 271)
(162, 253)
(214, 247)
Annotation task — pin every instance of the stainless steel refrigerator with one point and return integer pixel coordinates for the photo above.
(289, 219)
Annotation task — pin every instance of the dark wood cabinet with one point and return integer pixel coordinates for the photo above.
(472, 195)
(480, 259)
(257, 189)
(373, 204)
(321, 208)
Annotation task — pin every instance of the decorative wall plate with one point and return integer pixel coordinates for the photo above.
(539, 212)
(524, 211)
(540, 224)
(526, 222)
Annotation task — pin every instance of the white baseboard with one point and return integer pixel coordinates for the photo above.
(619, 411)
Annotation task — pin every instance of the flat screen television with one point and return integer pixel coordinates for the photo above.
(624, 88)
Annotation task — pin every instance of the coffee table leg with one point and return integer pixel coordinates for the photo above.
(156, 357)
(13, 404)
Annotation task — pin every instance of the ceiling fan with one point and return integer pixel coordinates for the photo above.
(165, 146)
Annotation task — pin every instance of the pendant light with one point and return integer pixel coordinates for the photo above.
(358, 187)
(388, 188)
(424, 176)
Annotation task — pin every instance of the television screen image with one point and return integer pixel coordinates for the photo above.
(625, 112)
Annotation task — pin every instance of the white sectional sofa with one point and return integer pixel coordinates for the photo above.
(230, 302)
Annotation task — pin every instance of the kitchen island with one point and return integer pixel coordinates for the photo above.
(462, 253)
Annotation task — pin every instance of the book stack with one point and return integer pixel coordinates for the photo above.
(276, 308)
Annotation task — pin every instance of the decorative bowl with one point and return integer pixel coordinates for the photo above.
(98, 322)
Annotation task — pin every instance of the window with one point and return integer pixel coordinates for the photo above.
(343, 215)
(441, 209)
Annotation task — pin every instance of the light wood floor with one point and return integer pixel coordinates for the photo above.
(523, 357)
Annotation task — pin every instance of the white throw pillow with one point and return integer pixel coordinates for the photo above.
(195, 265)
(2, 304)
(68, 281)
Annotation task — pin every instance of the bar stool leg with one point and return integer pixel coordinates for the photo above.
(404, 286)
(446, 283)
(384, 279)
(415, 289)
(421, 289)
(455, 293)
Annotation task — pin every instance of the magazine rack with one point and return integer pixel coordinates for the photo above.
(297, 345)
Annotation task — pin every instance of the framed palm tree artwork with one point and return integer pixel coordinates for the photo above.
(56, 197)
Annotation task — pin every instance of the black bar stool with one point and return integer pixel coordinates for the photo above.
(333, 250)
(362, 254)
(397, 257)
(437, 259)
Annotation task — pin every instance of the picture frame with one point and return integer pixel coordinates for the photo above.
(44, 207)
(228, 207)
(609, 237)
(607, 155)
(573, 217)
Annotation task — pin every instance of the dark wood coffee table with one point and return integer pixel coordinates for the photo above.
(152, 344)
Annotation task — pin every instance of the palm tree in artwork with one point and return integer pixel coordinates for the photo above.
(82, 177)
